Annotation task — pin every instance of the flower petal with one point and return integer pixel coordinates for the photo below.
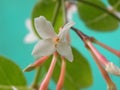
(64, 30)
(43, 48)
(71, 10)
(30, 38)
(44, 28)
(64, 49)
(28, 24)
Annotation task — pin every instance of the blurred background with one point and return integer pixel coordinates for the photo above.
(13, 14)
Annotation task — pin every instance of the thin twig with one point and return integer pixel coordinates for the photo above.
(56, 12)
(80, 33)
(36, 79)
(64, 11)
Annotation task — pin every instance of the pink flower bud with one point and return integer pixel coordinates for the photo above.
(45, 82)
(110, 84)
(62, 75)
(98, 55)
(40, 61)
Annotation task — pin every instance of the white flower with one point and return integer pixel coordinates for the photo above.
(51, 42)
(111, 68)
(30, 37)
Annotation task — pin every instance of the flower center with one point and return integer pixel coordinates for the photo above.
(56, 41)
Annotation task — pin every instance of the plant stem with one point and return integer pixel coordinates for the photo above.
(36, 79)
(99, 7)
(80, 33)
(104, 73)
(64, 11)
(56, 11)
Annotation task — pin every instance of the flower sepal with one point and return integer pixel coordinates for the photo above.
(29, 68)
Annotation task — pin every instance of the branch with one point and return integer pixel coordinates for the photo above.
(80, 34)
(36, 79)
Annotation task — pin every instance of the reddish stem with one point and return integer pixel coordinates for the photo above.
(62, 75)
(98, 55)
(45, 82)
(40, 61)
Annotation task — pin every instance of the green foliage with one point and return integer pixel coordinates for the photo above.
(78, 73)
(115, 4)
(11, 75)
(47, 9)
(95, 18)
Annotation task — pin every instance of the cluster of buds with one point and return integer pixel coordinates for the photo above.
(104, 65)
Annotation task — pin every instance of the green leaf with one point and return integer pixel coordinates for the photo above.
(95, 18)
(11, 75)
(47, 8)
(78, 73)
(115, 4)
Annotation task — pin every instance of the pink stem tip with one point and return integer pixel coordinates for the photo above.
(99, 56)
(62, 75)
(45, 82)
(40, 61)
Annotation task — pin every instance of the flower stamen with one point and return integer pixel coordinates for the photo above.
(56, 41)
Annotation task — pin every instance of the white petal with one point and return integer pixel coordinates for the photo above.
(44, 28)
(28, 24)
(111, 68)
(64, 49)
(44, 48)
(71, 10)
(30, 38)
(64, 30)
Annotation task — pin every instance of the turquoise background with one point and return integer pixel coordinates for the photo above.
(13, 14)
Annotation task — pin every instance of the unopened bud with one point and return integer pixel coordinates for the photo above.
(29, 68)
